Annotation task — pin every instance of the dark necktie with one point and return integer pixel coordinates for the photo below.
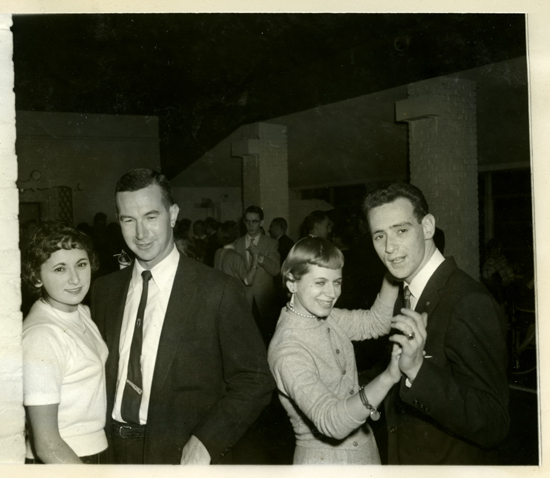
(406, 297)
(133, 389)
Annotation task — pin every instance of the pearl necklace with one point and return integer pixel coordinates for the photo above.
(290, 307)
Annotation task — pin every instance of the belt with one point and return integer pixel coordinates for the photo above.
(128, 430)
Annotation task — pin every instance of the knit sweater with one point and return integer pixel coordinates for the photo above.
(314, 367)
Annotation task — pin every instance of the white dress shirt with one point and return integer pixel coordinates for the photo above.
(160, 287)
(420, 281)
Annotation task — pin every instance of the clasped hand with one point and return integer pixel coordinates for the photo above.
(254, 250)
(413, 325)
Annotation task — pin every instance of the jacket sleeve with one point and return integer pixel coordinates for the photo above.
(365, 324)
(248, 381)
(272, 261)
(469, 395)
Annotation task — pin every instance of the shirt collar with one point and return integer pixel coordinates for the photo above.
(418, 284)
(162, 273)
(255, 239)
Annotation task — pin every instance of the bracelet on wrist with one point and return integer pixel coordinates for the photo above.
(374, 413)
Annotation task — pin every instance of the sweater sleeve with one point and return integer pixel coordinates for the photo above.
(296, 376)
(365, 324)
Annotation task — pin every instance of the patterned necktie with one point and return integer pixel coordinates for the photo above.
(406, 297)
(133, 389)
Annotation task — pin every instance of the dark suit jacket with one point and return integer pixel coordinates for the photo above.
(211, 376)
(212, 245)
(285, 244)
(457, 407)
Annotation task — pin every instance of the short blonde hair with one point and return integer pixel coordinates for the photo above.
(310, 251)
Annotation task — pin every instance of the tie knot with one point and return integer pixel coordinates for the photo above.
(146, 275)
(406, 292)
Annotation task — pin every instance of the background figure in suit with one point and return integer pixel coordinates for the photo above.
(451, 406)
(277, 230)
(262, 293)
(212, 244)
(201, 376)
(317, 224)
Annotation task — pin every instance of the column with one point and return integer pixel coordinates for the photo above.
(441, 113)
(263, 149)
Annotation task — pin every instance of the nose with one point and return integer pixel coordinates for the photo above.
(391, 245)
(74, 276)
(141, 230)
(330, 290)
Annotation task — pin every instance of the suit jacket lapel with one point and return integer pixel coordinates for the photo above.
(431, 293)
(178, 312)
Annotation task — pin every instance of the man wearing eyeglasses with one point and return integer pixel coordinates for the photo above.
(261, 293)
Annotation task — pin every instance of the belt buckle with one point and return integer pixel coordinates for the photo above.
(125, 431)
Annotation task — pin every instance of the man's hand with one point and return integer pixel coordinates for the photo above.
(413, 325)
(254, 250)
(194, 453)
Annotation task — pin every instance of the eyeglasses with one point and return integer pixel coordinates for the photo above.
(252, 221)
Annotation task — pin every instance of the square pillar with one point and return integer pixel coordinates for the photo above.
(441, 113)
(264, 151)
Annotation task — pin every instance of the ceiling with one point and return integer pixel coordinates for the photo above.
(204, 75)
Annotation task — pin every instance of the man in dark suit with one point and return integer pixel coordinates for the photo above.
(277, 230)
(212, 244)
(261, 293)
(451, 406)
(199, 376)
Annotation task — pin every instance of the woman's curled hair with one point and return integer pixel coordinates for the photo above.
(48, 238)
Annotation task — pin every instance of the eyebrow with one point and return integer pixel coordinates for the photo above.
(64, 263)
(394, 226)
(124, 216)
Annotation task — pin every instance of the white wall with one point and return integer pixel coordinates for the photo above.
(227, 203)
(12, 415)
(86, 152)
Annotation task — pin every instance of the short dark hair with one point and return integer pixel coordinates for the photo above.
(393, 191)
(311, 251)
(313, 218)
(255, 210)
(211, 223)
(141, 178)
(280, 222)
(228, 233)
(199, 223)
(48, 238)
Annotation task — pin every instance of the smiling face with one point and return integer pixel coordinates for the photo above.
(404, 244)
(253, 223)
(65, 277)
(317, 290)
(147, 224)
